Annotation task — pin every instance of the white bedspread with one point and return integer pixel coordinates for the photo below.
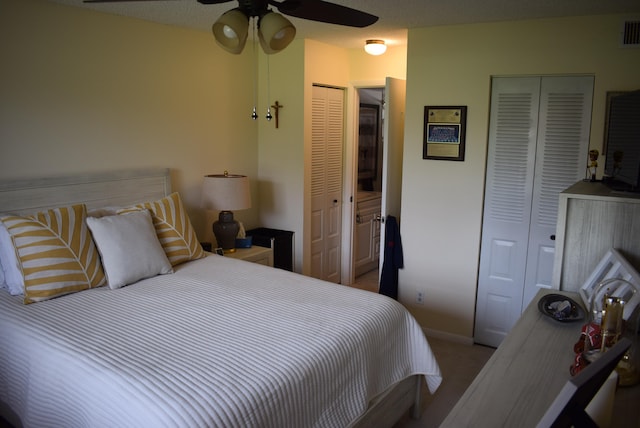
(221, 343)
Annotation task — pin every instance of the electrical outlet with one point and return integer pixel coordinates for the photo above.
(420, 297)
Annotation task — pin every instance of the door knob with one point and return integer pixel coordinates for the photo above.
(552, 237)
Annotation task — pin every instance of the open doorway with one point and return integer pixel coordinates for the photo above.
(390, 96)
(368, 197)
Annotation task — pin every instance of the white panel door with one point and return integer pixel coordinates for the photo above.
(562, 157)
(393, 143)
(513, 129)
(538, 144)
(327, 129)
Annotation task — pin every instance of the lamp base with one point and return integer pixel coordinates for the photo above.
(225, 230)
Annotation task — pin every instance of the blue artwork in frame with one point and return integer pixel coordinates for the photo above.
(443, 133)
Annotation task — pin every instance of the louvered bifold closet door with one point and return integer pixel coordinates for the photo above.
(327, 129)
(538, 146)
(562, 158)
(513, 132)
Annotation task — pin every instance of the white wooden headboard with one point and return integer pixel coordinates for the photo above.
(103, 189)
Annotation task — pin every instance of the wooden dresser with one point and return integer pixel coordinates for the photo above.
(522, 377)
(592, 219)
(525, 373)
(530, 367)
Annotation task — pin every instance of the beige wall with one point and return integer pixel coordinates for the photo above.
(84, 91)
(87, 91)
(442, 200)
(364, 67)
(284, 152)
(281, 150)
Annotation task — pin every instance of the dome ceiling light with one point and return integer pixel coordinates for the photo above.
(375, 47)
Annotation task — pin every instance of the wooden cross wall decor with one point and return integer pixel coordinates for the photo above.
(277, 106)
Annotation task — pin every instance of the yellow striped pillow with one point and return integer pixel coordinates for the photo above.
(173, 228)
(56, 252)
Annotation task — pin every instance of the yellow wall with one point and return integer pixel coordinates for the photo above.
(442, 200)
(364, 67)
(84, 91)
(87, 91)
(281, 150)
(284, 152)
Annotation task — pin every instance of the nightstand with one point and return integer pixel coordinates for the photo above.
(255, 254)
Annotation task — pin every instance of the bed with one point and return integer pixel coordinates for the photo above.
(201, 341)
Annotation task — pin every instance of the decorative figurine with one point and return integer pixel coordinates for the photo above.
(593, 163)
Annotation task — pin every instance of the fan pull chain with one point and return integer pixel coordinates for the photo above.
(254, 114)
(269, 116)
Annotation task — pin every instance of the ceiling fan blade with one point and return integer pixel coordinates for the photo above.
(122, 1)
(117, 1)
(322, 11)
(213, 1)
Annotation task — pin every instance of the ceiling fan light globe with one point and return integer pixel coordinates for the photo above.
(275, 32)
(231, 30)
(375, 47)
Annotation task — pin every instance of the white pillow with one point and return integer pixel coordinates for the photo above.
(103, 211)
(13, 278)
(129, 247)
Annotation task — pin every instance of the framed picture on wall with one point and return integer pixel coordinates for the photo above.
(444, 132)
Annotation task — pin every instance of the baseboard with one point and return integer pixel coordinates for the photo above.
(439, 334)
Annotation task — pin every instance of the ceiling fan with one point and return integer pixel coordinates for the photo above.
(274, 30)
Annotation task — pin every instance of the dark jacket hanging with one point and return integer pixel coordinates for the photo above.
(393, 259)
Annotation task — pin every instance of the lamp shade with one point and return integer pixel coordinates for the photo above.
(275, 32)
(226, 192)
(375, 47)
(231, 30)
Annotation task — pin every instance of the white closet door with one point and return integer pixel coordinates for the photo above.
(513, 130)
(562, 158)
(538, 144)
(327, 129)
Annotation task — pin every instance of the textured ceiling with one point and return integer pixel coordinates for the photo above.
(396, 16)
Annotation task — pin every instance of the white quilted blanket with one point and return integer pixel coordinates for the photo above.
(220, 343)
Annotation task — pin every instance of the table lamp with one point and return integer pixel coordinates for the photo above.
(226, 192)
